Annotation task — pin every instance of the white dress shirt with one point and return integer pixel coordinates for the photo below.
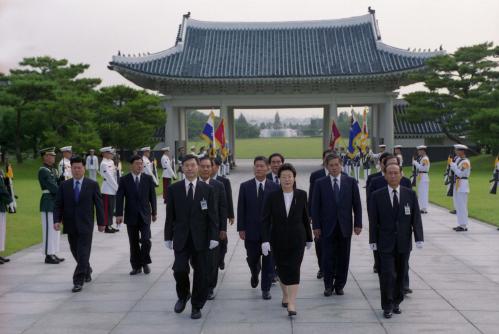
(258, 184)
(390, 191)
(194, 182)
(288, 199)
(338, 181)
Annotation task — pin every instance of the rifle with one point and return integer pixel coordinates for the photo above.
(495, 179)
(449, 177)
(414, 175)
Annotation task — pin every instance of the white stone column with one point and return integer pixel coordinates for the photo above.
(388, 124)
(182, 124)
(231, 130)
(172, 129)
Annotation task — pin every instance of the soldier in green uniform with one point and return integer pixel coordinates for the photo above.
(5, 200)
(48, 178)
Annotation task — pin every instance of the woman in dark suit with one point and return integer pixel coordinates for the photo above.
(286, 229)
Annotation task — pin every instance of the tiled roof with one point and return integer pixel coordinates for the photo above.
(404, 128)
(329, 48)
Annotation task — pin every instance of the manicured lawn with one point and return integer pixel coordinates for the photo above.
(481, 204)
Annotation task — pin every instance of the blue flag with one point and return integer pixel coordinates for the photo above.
(355, 135)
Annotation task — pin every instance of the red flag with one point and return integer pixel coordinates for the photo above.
(220, 137)
(335, 136)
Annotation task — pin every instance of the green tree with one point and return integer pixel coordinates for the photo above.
(244, 129)
(128, 117)
(461, 94)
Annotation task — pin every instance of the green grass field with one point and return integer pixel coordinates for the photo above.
(24, 230)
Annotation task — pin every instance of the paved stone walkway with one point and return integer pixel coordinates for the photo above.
(455, 280)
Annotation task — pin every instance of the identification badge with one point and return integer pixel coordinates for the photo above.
(204, 205)
(407, 210)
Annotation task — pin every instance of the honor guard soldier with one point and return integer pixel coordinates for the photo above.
(462, 170)
(64, 167)
(48, 178)
(168, 172)
(149, 167)
(422, 165)
(366, 159)
(92, 165)
(397, 151)
(5, 200)
(109, 187)
(356, 165)
(381, 149)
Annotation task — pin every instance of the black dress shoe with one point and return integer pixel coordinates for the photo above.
(453, 212)
(285, 305)
(61, 259)
(51, 259)
(147, 270)
(115, 229)
(328, 292)
(266, 295)
(397, 310)
(1, 262)
(211, 295)
(77, 288)
(109, 230)
(221, 266)
(291, 313)
(88, 278)
(4, 259)
(375, 270)
(254, 281)
(180, 304)
(387, 314)
(195, 313)
(339, 291)
(320, 275)
(460, 229)
(407, 291)
(136, 271)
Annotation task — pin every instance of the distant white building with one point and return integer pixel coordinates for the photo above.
(267, 133)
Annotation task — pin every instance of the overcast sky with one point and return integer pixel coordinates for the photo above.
(91, 31)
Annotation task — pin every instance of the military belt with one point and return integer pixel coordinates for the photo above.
(45, 191)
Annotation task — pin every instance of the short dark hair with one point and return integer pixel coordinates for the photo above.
(333, 156)
(324, 153)
(284, 167)
(260, 158)
(134, 158)
(205, 157)
(76, 160)
(389, 157)
(273, 155)
(217, 161)
(398, 165)
(189, 157)
(383, 156)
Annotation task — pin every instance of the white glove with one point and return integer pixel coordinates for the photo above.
(414, 162)
(265, 248)
(213, 244)
(373, 247)
(419, 244)
(169, 244)
(309, 244)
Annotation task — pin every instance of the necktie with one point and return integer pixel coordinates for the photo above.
(395, 203)
(77, 191)
(91, 161)
(260, 192)
(137, 182)
(190, 194)
(336, 190)
(276, 179)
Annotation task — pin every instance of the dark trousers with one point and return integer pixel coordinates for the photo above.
(335, 259)
(166, 182)
(393, 267)
(406, 276)
(257, 262)
(108, 202)
(214, 260)
(318, 252)
(80, 245)
(223, 251)
(139, 237)
(181, 268)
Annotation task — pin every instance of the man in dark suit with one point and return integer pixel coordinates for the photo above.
(230, 210)
(138, 190)
(370, 177)
(378, 183)
(275, 160)
(335, 198)
(314, 177)
(249, 224)
(394, 214)
(205, 170)
(191, 229)
(75, 203)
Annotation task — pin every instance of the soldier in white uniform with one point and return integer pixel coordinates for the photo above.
(149, 167)
(5, 200)
(366, 159)
(397, 151)
(462, 170)
(92, 165)
(422, 165)
(64, 167)
(381, 149)
(356, 165)
(109, 187)
(168, 172)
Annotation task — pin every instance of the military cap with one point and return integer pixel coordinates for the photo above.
(460, 147)
(48, 150)
(66, 149)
